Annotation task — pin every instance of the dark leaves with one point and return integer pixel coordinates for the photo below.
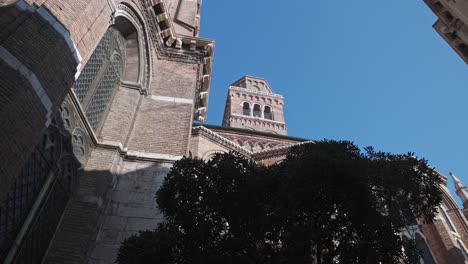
(327, 202)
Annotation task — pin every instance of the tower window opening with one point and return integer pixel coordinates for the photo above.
(448, 16)
(256, 111)
(267, 113)
(246, 109)
(438, 6)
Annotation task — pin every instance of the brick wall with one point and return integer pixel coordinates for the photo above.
(441, 239)
(161, 127)
(120, 116)
(17, 102)
(174, 79)
(203, 148)
(37, 68)
(114, 198)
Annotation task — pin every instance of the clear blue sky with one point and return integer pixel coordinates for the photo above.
(373, 72)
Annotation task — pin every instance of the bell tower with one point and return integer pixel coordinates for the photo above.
(251, 104)
(462, 192)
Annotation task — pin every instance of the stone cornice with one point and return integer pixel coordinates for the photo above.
(201, 130)
(258, 119)
(245, 90)
(278, 151)
(181, 48)
(257, 155)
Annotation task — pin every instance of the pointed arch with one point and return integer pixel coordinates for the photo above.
(138, 63)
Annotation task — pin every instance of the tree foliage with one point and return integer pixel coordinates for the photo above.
(327, 202)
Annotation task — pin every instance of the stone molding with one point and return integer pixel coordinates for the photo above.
(278, 151)
(257, 121)
(201, 130)
(245, 90)
(256, 155)
(117, 146)
(186, 49)
(122, 10)
(47, 16)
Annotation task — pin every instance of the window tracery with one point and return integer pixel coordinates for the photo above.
(98, 81)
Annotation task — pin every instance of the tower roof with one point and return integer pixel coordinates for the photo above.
(457, 182)
(255, 84)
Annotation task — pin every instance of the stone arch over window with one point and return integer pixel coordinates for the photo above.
(267, 113)
(257, 110)
(246, 109)
(136, 60)
(118, 60)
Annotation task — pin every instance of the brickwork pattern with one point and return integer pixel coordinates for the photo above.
(49, 49)
(204, 148)
(111, 202)
(54, 67)
(18, 102)
(120, 116)
(161, 127)
(174, 79)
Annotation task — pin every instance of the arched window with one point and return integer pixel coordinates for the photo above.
(423, 248)
(246, 108)
(447, 219)
(257, 112)
(98, 81)
(267, 113)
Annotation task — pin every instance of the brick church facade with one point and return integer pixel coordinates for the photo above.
(98, 99)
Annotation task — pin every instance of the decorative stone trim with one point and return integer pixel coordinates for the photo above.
(134, 86)
(258, 119)
(171, 99)
(221, 140)
(257, 155)
(47, 16)
(115, 145)
(278, 151)
(245, 90)
(196, 50)
(122, 10)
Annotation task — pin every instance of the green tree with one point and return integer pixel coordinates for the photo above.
(327, 202)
